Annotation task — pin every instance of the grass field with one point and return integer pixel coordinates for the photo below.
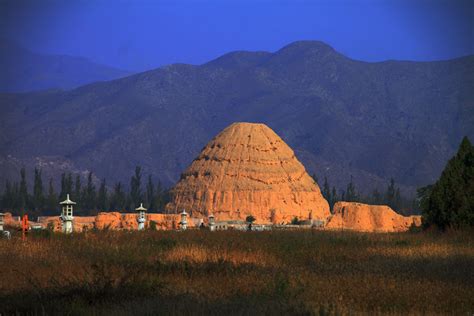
(278, 272)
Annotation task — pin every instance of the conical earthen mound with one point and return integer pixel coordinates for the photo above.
(248, 170)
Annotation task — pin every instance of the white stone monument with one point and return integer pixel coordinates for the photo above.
(184, 221)
(67, 215)
(212, 223)
(2, 216)
(141, 218)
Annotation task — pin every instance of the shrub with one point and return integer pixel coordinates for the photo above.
(295, 221)
(152, 225)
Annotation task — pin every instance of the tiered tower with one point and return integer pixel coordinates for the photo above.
(67, 215)
(141, 218)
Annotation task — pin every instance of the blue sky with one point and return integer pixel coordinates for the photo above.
(144, 34)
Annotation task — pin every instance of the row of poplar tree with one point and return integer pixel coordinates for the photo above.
(391, 197)
(90, 199)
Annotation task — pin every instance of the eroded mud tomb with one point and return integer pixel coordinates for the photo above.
(247, 169)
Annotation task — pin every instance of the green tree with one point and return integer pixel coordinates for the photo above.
(390, 194)
(160, 197)
(8, 198)
(327, 192)
(38, 196)
(343, 195)
(17, 200)
(77, 196)
(52, 199)
(119, 198)
(376, 198)
(102, 200)
(89, 195)
(150, 194)
(152, 225)
(397, 202)
(334, 197)
(295, 221)
(135, 189)
(250, 219)
(451, 200)
(351, 194)
(23, 191)
(66, 185)
(423, 197)
(62, 193)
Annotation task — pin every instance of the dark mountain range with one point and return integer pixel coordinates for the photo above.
(24, 70)
(343, 117)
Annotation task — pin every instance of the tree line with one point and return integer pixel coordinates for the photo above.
(391, 196)
(44, 200)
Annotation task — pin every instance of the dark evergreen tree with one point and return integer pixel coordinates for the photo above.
(397, 202)
(135, 189)
(77, 196)
(334, 197)
(69, 184)
(327, 192)
(119, 198)
(17, 200)
(351, 194)
(23, 191)
(376, 198)
(38, 196)
(8, 198)
(160, 198)
(89, 196)
(62, 193)
(52, 199)
(102, 200)
(66, 185)
(423, 197)
(390, 194)
(150, 194)
(451, 200)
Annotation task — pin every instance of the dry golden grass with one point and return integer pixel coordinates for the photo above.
(427, 251)
(198, 254)
(279, 272)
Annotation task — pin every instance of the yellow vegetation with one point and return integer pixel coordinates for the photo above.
(277, 272)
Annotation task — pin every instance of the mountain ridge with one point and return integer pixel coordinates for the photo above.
(341, 116)
(25, 70)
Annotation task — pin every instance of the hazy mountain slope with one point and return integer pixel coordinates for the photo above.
(373, 120)
(23, 70)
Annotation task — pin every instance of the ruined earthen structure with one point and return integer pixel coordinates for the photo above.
(369, 218)
(248, 169)
(115, 221)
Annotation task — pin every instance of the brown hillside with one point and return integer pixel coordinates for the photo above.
(248, 169)
(369, 218)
